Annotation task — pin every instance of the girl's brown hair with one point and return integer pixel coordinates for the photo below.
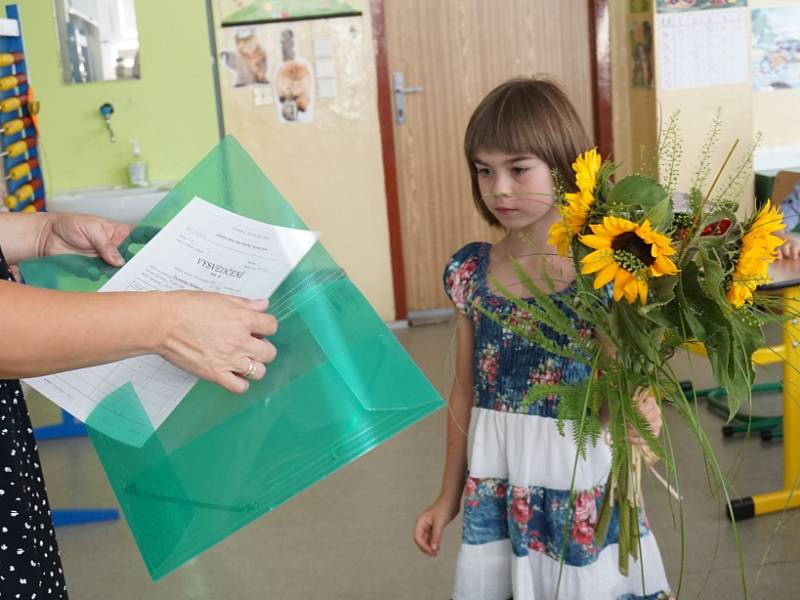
(525, 116)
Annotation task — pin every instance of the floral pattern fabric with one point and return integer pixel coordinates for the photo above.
(523, 364)
(30, 565)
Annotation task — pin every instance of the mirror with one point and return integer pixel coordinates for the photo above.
(98, 40)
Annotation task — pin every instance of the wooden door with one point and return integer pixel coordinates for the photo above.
(458, 50)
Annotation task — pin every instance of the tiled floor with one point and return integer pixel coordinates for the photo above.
(349, 537)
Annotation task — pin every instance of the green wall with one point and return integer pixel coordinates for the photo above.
(171, 110)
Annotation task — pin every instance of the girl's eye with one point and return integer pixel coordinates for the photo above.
(483, 172)
(520, 170)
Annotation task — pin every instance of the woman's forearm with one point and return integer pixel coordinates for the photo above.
(47, 331)
(22, 235)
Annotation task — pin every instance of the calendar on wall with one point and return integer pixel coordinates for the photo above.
(703, 48)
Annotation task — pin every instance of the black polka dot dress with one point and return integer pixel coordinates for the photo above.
(30, 566)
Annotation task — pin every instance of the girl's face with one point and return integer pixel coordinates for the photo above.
(517, 189)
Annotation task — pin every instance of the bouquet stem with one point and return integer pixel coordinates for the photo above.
(623, 492)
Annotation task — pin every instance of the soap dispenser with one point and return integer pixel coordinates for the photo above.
(137, 170)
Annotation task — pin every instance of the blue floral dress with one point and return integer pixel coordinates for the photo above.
(520, 469)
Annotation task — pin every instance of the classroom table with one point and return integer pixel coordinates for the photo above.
(785, 275)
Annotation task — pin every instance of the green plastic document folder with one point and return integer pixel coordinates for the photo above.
(340, 386)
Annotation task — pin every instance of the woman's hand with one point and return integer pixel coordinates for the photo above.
(647, 405)
(432, 521)
(67, 233)
(217, 337)
(790, 249)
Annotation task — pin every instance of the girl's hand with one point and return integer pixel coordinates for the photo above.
(647, 405)
(66, 233)
(431, 522)
(216, 337)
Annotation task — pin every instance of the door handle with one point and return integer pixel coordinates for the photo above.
(414, 89)
(400, 91)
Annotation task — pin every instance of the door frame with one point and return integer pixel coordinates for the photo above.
(600, 48)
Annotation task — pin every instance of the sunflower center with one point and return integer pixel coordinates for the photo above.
(631, 252)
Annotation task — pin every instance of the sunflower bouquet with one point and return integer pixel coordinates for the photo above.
(652, 279)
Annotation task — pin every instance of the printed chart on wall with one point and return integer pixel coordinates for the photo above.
(700, 48)
(242, 12)
(677, 6)
(776, 48)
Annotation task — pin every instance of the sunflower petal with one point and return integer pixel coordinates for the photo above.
(620, 281)
(663, 266)
(631, 290)
(596, 241)
(605, 275)
(642, 290)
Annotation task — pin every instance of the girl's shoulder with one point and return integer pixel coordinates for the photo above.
(474, 251)
(463, 271)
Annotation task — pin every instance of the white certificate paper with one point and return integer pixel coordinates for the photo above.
(204, 247)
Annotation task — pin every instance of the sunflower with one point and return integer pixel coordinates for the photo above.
(627, 254)
(576, 205)
(758, 250)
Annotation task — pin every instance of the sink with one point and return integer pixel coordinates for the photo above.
(124, 205)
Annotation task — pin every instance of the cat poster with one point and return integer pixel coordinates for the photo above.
(248, 59)
(294, 84)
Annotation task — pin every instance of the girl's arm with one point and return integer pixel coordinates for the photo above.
(431, 522)
(460, 403)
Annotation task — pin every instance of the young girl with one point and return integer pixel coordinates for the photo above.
(519, 468)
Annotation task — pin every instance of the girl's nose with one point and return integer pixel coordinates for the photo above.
(500, 186)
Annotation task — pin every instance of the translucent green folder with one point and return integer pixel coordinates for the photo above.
(340, 386)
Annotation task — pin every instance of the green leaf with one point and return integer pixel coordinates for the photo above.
(604, 516)
(713, 279)
(660, 215)
(635, 190)
(603, 175)
(539, 392)
(624, 534)
(662, 292)
(730, 336)
(632, 329)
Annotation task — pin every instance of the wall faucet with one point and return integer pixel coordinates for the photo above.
(106, 110)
